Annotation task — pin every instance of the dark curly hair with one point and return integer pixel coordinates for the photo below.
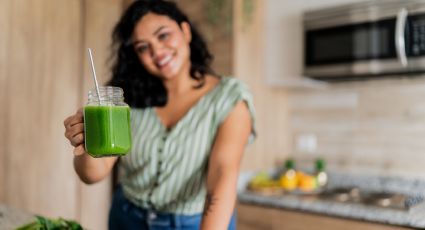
(142, 89)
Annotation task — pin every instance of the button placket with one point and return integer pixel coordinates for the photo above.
(160, 150)
(158, 172)
(150, 204)
(162, 143)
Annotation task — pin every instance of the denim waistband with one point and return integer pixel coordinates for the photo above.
(153, 217)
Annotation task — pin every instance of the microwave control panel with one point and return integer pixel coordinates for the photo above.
(416, 27)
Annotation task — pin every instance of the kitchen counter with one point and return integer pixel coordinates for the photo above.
(11, 218)
(413, 217)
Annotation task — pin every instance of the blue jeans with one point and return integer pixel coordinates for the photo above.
(126, 216)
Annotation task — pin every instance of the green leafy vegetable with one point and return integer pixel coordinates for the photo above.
(43, 223)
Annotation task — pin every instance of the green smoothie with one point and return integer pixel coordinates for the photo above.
(107, 130)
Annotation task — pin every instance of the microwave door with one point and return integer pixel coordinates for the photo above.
(357, 49)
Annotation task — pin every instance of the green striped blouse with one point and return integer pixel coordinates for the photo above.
(166, 169)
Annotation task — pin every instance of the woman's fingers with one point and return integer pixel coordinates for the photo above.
(79, 150)
(75, 133)
(74, 128)
(77, 140)
(74, 119)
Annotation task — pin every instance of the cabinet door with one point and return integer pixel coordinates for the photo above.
(291, 220)
(257, 217)
(253, 217)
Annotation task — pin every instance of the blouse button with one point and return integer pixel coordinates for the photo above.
(151, 216)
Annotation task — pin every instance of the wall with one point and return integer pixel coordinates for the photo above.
(43, 79)
(4, 43)
(373, 126)
(36, 162)
(249, 57)
(214, 22)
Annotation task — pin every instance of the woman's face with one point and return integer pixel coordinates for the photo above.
(162, 45)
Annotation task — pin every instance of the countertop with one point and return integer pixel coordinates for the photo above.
(11, 218)
(414, 217)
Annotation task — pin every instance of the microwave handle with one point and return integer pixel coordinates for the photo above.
(399, 36)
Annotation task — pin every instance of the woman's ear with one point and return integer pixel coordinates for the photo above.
(186, 31)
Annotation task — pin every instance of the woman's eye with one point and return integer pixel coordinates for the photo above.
(141, 49)
(163, 36)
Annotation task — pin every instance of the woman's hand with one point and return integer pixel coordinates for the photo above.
(89, 169)
(74, 131)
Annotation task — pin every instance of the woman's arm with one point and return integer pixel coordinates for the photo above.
(223, 168)
(92, 170)
(89, 169)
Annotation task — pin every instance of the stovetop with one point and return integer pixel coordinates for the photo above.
(392, 200)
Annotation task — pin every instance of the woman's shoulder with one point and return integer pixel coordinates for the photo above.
(230, 80)
(233, 91)
(232, 85)
(229, 91)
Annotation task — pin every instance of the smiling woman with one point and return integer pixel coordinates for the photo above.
(165, 51)
(173, 31)
(189, 126)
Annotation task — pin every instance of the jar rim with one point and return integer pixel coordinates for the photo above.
(106, 90)
(102, 88)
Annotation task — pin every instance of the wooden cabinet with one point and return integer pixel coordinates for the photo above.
(252, 217)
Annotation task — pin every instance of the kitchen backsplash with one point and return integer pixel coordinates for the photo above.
(370, 125)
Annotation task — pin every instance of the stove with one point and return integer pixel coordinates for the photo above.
(373, 198)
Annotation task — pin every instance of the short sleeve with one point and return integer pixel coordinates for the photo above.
(232, 92)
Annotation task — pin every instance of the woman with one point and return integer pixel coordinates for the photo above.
(189, 127)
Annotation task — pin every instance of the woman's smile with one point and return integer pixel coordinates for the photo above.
(164, 61)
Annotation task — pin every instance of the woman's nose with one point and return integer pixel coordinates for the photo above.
(156, 50)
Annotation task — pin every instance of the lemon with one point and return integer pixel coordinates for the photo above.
(289, 180)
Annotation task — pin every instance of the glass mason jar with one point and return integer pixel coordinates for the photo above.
(107, 123)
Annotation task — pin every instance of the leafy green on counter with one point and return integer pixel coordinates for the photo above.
(43, 223)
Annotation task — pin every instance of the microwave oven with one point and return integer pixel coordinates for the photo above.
(365, 39)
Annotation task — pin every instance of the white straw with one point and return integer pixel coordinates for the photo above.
(94, 73)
